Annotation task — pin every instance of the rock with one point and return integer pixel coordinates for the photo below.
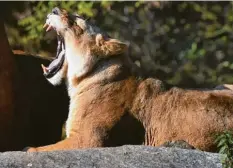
(178, 144)
(125, 156)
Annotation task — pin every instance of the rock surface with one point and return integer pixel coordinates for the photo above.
(121, 157)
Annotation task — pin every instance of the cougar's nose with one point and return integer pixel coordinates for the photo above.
(56, 11)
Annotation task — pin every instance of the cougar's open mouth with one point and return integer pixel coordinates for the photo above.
(57, 63)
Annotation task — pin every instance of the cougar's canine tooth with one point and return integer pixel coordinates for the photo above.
(45, 70)
(49, 28)
(45, 25)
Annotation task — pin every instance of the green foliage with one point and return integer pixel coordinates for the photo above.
(224, 143)
(32, 24)
(188, 44)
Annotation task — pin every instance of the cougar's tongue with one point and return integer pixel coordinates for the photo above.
(54, 66)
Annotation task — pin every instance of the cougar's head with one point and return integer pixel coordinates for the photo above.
(78, 35)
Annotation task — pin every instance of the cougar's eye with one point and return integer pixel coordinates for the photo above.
(78, 16)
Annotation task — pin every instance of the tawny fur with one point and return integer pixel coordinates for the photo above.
(110, 91)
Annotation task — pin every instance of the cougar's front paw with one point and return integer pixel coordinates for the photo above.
(29, 149)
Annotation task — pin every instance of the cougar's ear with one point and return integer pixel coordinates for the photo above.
(111, 46)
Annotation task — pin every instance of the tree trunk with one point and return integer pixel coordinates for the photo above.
(6, 87)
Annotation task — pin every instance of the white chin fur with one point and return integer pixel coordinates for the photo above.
(56, 79)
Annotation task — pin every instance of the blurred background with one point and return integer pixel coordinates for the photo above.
(188, 44)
